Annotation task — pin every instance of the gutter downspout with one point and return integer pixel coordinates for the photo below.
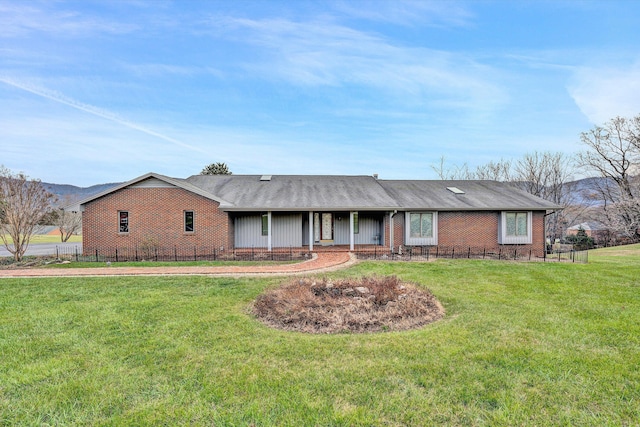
(311, 234)
(269, 234)
(351, 232)
(391, 236)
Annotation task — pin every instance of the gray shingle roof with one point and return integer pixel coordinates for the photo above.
(347, 192)
(478, 195)
(296, 192)
(306, 192)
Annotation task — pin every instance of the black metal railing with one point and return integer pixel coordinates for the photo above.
(180, 253)
(503, 252)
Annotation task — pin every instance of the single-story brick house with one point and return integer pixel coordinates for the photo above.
(305, 211)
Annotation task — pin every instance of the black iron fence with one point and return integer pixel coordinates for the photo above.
(510, 252)
(564, 253)
(180, 253)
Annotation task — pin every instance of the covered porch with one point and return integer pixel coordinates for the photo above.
(315, 230)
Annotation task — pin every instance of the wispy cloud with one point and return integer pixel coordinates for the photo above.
(324, 53)
(602, 93)
(408, 12)
(19, 19)
(108, 115)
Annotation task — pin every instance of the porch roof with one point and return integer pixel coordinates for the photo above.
(296, 192)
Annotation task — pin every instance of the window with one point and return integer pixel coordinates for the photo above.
(356, 223)
(516, 224)
(123, 217)
(515, 228)
(421, 228)
(421, 225)
(265, 224)
(188, 221)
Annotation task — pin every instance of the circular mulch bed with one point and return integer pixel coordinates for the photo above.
(367, 304)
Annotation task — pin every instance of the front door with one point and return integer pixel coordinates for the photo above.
(326, 227)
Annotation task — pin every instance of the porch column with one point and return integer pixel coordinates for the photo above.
(269, 233)
(391, 230)
(351, 232)
(311, 228)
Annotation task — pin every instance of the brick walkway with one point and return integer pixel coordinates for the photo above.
(321, 262)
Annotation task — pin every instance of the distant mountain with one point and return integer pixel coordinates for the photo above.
(70, 193)
(585, 191)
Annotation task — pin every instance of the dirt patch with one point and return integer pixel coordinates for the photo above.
(367, 304)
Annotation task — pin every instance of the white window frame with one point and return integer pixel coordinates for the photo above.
(193, 221)
(505, 239)
(420, 241)
(121, 223)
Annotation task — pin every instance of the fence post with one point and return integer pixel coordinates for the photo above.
(500, 254)
(437, 251)
(428, 250)
(76, 254)
(96, 255)
(116, 254)
(529, 254)
(515, 254)
(469, 253)
(453, 252)
(57, 253)
(156, 253)
(484, 252)
(175, 253)
(195, 254)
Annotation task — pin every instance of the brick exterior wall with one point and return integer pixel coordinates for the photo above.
(158, 214)
(464, 229)
(478, 229)
(398, 230)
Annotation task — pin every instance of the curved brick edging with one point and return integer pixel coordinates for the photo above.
(321, 262)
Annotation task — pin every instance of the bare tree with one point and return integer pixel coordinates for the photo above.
(218, 168)
(623, 216)
(495, 171)
(547, 175)
(69, 223)
(24, 203)
(613, 152)
(448, 173)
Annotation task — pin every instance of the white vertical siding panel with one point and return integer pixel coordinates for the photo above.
(341, 230)
(248, 232)
(287, 230)
(369, 229)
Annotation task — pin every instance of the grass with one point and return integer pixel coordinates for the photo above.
(521, 344)
(48, 238)
(90, 264)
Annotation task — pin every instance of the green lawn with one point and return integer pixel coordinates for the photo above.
(90, 264)
(522, 344)
(48, 238)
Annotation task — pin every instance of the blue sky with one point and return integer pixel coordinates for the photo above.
(105, 91)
